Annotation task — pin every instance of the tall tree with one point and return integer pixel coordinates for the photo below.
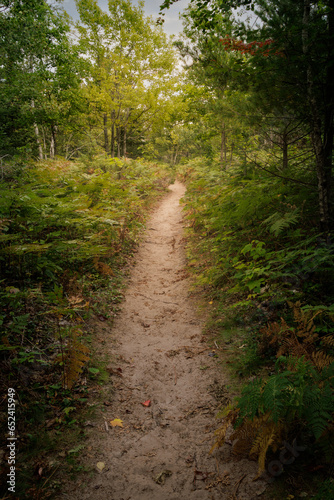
(38, 75)
(132, 63)
(288, 49)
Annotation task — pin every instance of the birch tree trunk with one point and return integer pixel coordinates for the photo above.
(38, 139)
(53, 141)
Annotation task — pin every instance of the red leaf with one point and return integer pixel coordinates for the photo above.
(147, 403)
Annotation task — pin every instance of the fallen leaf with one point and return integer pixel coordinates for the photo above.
(161, 478)
(147, 403)
(117, 422)
(100, 466)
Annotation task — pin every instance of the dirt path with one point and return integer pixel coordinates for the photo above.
(162, 451)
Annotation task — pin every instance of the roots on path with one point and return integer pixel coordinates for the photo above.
(162, 450)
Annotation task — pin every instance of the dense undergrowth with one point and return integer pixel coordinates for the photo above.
(254, 246)
(67, 230)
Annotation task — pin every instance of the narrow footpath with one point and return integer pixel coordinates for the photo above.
(158, 356)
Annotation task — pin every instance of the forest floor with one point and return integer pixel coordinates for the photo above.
(158, 355)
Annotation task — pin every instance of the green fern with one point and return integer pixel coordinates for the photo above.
(277, 222)
(276, 392)
(301, 393)
(250, 399)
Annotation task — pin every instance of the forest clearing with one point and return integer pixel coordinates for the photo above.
(166, 251)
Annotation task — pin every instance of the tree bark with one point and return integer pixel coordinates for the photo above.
(323, 163)
(38, 139)
(176, 154)
(53, 142)
(105, 129)
(112, 149)
(128, 111)
(329, 108)
(118, 138)
(124, 141)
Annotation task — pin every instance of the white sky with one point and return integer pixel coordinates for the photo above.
(172, 24)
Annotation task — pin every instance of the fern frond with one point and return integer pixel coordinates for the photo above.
(274, 396)
(243, 437)
(255, 437)
(278, 223)
(321, 359)
(220, 433)
(77, 356)
(270, 435)
(319, 407)
(250, 399)
(328, 340)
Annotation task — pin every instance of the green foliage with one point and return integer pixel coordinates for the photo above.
(295, 400)
(39, 77)
(253, 247)
(66, 230)
(326, 490)
(247, 250)
(300, 394)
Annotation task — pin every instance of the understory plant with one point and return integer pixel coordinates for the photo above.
(66, 231)
(295, 402)
(255, 248)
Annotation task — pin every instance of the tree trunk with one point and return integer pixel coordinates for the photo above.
(39, 144)
(285, 145)
(53, 141)
(124, 142)
(323, 164)
(118, 138)
(38, 139)
(112, 149)
(128, 111)
(329, 109)
(44, 143)
(176, 153)
(223, 148)
(105, 128)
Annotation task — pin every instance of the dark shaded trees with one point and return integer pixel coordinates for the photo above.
(286, 57)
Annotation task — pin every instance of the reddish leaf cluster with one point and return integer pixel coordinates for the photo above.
(249, 48)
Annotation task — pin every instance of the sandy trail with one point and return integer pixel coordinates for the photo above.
(156, 344)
